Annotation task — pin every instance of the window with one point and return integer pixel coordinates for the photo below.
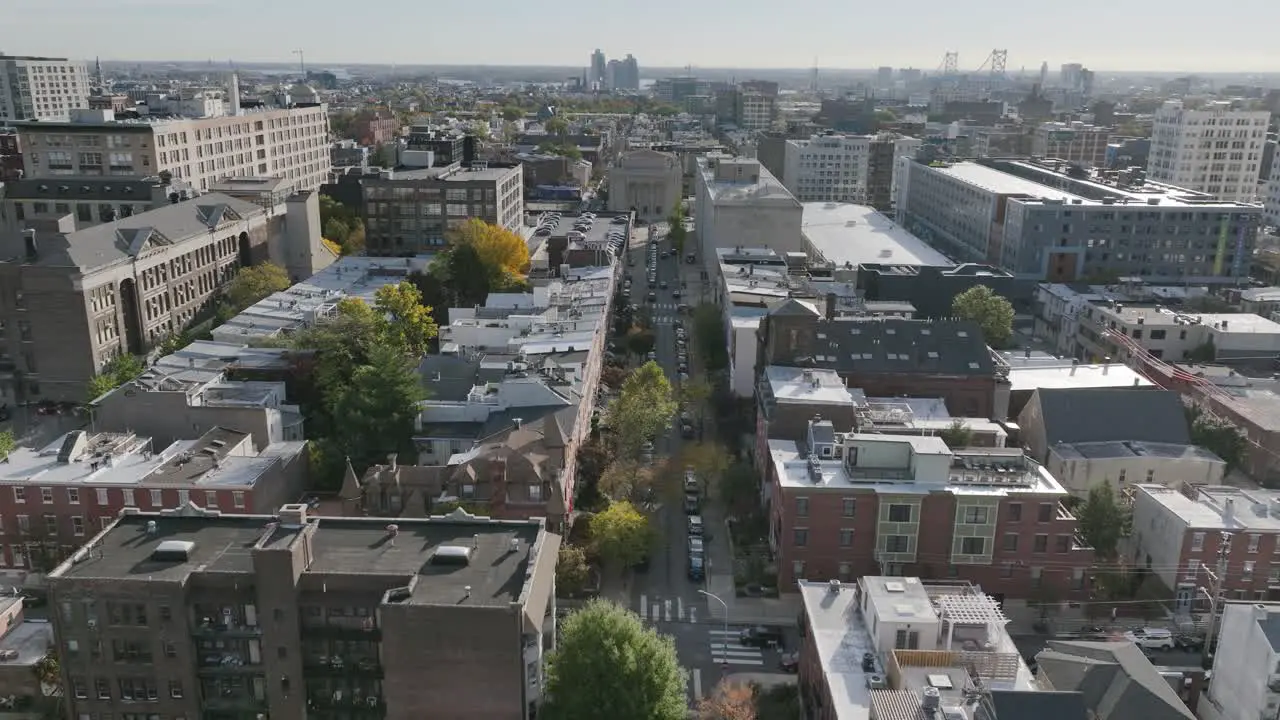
(238, 498)
(1015, 512)
(1254, 541)
(1037, 577)
(801, 537)
(846, 537)
(175, 688)
(1157, 334)
(103, 497)
(906, 640)
(1197, 542)
(211, 498)
(24, 525)
(51, 524)
(157, 498)
(170, 649)
(138, 689)
(19, 494)
(802, 507)
(973, 546)
(130, 651)
(850, 507)
(46, 496)
(972, 515)
(1064, 543)
(1041, 544)
(897, 543)
(102, 688)
(900, 513)
(1011, 542)
(78, 688)
(73, 496)
(77, 525)
(797, 568)
(1046, 512)
(1248, 569)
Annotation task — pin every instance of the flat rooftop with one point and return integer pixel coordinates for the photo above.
(447, 173)
(1065, 375)
(840, 639)
(496, 571)
(856, 234)
(1114, 449)
(1166, 317)
(1208, 510)
(31, 639)
(798, 385)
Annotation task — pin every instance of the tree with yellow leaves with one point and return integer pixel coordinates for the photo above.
(501, 250)
(729, 701)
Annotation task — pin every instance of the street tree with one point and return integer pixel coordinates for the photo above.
(377, 408)
(8, 443)
(608, 664)
(640, 341)
(644, 407)
(992, 313)
(709, 333)
(501, 250)
(405, 321)
(118, 371)
(626, 480)
(1103, 521)
(694, 394)
(254, 283)
(729, 701)
(709, 462)
(620, 534)
(572, 571)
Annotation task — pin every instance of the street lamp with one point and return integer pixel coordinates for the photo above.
(724, 659)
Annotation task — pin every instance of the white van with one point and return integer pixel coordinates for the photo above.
(1151, 638)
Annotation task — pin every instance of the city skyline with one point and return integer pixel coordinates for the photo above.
(1168, 41)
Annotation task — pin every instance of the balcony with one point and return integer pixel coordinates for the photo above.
(226, 663)
(336, 665)
(223, 627)
(356, 628)
(339, 703)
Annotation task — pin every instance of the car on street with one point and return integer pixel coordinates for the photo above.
(663, 284)
(683, 308)
(789, 662)
(692, 506)
(761, 636)
(695, 545)
(679, 324)
(653, 297)
(695, 524)
(682, 368)
(1151, 638)
(697, 568)
(675, 293)
(690, 480)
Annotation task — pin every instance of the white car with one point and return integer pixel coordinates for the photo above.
(1151, 638)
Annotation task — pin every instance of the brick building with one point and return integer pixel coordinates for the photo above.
(859, 504)
(375, 128)
(891, 357)
(54, 498)
(193, 614)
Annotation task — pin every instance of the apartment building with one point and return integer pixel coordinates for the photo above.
(1083, 466)
(738, 203)
(88, 201)
(10, 157)
(55, 498)
(409, 212)
(75, 299)
(856, 504)
(754, 110)
(1178, 533)
(646, 182)
(1215, 149)
(1038, 221)
(191, 613)
(1272, 199)
(375, 128)
(290, 142)
(1174, 335)
(846, 168)
(1075, 142)
(1246, 666)
(41, 88)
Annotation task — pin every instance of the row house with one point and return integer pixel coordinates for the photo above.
(856, 504)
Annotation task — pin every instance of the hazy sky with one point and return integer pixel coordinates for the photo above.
(1172, 35)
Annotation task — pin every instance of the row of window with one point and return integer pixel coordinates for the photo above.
(970, 515)
(131, 498)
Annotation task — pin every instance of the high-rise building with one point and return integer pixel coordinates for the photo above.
(841, 168)
(1075, 142)
(1071, 76)
(41, 88)
(1216, 149)
(631, 74)
(612, 73)
(1272, 200)
(884, 77)
(595, 76)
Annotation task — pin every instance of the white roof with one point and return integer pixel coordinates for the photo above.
(840, 639)
(1256, 510)
(1065, 375)
(825, 387)
(856, 234)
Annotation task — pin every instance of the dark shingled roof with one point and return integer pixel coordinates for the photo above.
(1077, 415)
(1116, 680)
(899, 345)
(1040, 705)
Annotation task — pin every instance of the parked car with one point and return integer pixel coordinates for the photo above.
(695, 545)
(695, 524)
(691, 481)
(697, 568)
(1151, 638)
(761, 636)
(686, 431)
(789, 662)
(692, 506)
(1190, 643)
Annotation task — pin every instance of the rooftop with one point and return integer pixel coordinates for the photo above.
(118, 189)
(1060, 373)
(1162, 316)
(817, 387)
(31, 639)
(495, 574)
(445, 173)
(840, 640)
(898, 345)
(758, 185)
(1219, 507)
(1115, 449)
(851, 235)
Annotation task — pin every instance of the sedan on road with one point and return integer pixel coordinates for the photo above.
(760, 636)
(697, 568)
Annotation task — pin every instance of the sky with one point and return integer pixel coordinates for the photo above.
(1115, 35)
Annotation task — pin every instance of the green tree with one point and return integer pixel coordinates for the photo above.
(557, 126)
(572, 571)
(644, 407)
(1217, 436)
(709, 332)
(406, 321)
(254, 283)
(562, 149)
(608, 664)
(511, 113)
(957, 434)
(1103, 521)
(501, 250)
(709, 462)
(620, 534)
(337, 231)
(626, 480)
(8, 443)
(992, 313)
(640, 342)
(118, 371)
(377, 409)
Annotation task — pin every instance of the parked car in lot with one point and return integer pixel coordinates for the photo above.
(761, 636)
(1151, 638)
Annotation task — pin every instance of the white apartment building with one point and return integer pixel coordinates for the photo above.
(288, 142)
(1216, 149)
(1246, 667)
(1175, 336)
(1082, 466)
(41, 88)
(844, 168)
(739, 203)
(755, 111)
(1075, 142)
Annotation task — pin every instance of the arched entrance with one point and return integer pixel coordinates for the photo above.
(132, 317)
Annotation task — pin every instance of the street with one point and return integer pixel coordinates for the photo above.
(664, 595)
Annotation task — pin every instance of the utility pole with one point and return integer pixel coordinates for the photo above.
(302, 63)
(1217, 578)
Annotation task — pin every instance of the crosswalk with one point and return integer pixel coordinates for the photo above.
(726, 650)
(667, 609)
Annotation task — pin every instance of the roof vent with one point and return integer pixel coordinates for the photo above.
(452, 555)
(151, 527)
(173, 551)
(515, 545)
(833, 586)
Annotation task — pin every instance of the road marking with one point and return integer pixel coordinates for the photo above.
(693, 615)
(666, 610)
(733, 649)
(697, 683)
(722, 633)
(738, 661)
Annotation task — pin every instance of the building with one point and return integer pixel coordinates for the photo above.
(738, 203)
(854, 504)
(932, 289)
(1032, 371)
(1069, 415)
(1041, 223)
(905, 647)
(290, 142)
(1116, 681)
(348, 154)
(41, 88)
(1075, 142)
(86, 201)
(1085, 465)
(446, 146)
(375, 128)
(849, 236)
(10, 156)
(290, 615)
(647, 183)
(754, 110)
(23, 644)
(1178, 534)
(1272, 198)
(628, 74)
(81, 297)
(408, 212)
(1245, 682)
(1175, 335)
(846, 168)
(1182, 138)
(595, 76)
(55, 498)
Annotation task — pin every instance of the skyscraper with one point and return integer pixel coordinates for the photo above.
(630, 74)
(596, 76)
(41, 88)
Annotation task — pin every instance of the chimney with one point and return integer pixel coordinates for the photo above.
(517, 422)
(831, 306)
(391, 461)
(1074, 364)
(235, 94)
(293, 515)
(1229, 510)
(1106, 364)
(29, 245)
(1260, 612)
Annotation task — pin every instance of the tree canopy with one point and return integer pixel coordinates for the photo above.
(608, 664)
(403, 319)
(118, 371)
(1103, 521)
(620, 534)
(644, 407)
(626, 480)
(8, 443)
(254, 283)
(992, 313)
(957, 434)
(709, 462)
(341, 225)
(729, 701)
(1217, 436)
(572, 571)
(498, 248)
(709, 332)
(378, 407)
